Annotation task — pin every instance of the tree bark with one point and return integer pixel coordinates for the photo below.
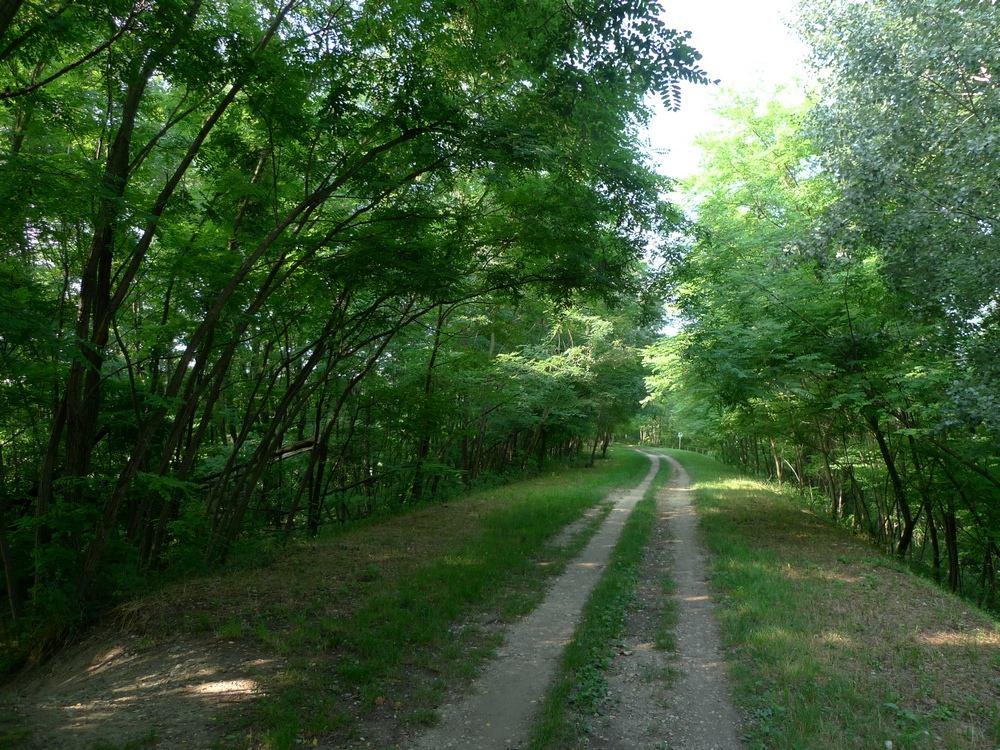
(899, 492)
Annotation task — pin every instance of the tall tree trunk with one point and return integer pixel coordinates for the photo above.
(8, 570)
(951, 543)
(593, 450)
(935, 547)
(424, 442)
(776, 459)
(896, 482)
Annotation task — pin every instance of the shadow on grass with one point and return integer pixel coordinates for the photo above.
(832, 644)
(366, 630)
(133, 695)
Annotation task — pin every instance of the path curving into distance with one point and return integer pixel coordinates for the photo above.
(497, 713)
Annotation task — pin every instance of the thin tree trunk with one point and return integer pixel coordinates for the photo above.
(951, 543)
(935, 548)
(897, 487)
(8, 571)
(593, 450)
(424, 443)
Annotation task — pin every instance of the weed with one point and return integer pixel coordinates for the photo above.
(424, 717)
(665, 639)
(230, 629)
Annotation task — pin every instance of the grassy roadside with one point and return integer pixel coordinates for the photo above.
(374, 624)
(832, 644)
(579, 685)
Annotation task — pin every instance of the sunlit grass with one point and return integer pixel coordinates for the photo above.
(832, 645)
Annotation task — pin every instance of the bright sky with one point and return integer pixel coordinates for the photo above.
(746, 45)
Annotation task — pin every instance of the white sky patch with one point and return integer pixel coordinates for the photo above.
(747, 45)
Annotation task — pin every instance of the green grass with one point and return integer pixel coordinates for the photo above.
(148, 739)
(832, 644)
(418, 607)
(665, 639)
(580, 685)
(12, 730)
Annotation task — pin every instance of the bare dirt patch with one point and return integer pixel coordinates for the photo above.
(114, 691)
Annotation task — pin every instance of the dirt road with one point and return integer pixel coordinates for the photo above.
(497, 713)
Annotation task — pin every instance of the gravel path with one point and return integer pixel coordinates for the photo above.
(497, 713)
(702, 717)
(637, 711)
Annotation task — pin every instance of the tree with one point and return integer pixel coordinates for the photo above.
(256, 241)
(803, 358)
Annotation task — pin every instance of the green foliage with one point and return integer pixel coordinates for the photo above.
(917, 167)
(270, 267)
(839, 289)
